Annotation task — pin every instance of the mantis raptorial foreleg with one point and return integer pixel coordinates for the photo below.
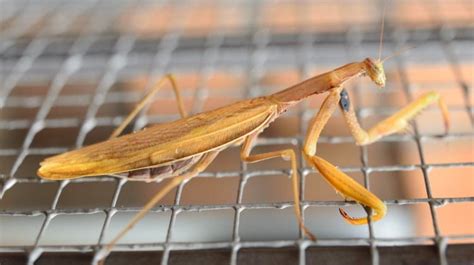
(344, 184)
(392, 124)
(200, 166)
(318, 122)
(288, 154)
(147, 98)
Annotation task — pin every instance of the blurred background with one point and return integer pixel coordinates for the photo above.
(72, 70)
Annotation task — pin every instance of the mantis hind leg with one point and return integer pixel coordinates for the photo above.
(200, 166)
(147, 99)
(288, 154)
(343, 184)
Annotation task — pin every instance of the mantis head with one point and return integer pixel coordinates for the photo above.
(374, 69)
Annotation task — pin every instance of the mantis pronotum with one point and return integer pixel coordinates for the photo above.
(182, 149)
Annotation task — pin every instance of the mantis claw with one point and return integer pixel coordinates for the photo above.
(345, 215)
(349, 188)
(360, 221)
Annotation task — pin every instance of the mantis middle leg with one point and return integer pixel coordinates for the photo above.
(287, 154)
(200, 166)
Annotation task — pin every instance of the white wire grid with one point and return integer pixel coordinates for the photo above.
(100, 54)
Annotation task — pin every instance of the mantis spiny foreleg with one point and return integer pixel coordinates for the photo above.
(344, 184)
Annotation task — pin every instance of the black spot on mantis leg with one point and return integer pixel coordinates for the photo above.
(344, 102)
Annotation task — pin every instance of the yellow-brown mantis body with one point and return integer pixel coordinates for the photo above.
(182, 149)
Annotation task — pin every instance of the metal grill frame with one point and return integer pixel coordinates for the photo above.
(20, 67)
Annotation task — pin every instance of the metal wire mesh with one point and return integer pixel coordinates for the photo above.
(72, 70)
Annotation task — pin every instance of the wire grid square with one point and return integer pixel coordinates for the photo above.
(72, 71)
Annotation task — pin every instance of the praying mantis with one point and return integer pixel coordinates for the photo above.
(181, 149)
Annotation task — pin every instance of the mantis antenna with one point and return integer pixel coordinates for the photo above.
(382, 29)
(407, 48)
(381, 39)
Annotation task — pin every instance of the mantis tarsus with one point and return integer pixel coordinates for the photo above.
(182, 149)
